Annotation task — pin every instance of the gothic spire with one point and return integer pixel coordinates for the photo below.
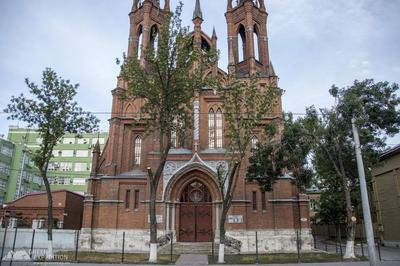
(197, 13)
(214, 34)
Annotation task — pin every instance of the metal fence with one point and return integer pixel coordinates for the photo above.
(332, 239)
(23, 246)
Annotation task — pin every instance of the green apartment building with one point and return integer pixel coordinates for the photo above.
(72, 157)
(6, 156)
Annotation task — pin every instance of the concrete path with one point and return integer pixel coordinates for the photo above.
(192, 259)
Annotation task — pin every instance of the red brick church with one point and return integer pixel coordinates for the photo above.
(188, 200)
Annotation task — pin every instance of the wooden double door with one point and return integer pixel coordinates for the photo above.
(195, 222)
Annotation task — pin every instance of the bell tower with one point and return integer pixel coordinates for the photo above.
(146, 18)
(247, 38)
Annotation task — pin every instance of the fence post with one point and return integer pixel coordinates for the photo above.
(212, 244)
(76, 245)
(314, 238)
(297, 244)
(4, 242)
(172, 246)
(33, 239)
(15, 239)
(379, 249)
(362, 248)
(123, 247)
(362, 237)
(257, 260)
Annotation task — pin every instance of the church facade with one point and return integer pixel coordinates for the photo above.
(188, 198)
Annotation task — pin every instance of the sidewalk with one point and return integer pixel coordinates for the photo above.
(387, 253)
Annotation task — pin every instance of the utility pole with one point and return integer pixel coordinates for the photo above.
(364, 197)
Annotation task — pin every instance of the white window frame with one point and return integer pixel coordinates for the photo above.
(211, 129)
(138, 150)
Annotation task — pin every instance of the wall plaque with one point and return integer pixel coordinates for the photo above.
(235, 219)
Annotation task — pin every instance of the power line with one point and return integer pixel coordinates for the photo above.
(139, 113)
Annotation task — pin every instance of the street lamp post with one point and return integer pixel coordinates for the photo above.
(364, 197)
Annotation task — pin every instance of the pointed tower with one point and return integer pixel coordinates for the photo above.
(214, 38)
(146, 18)
(247, 38)
(197, 21)
(95, 159)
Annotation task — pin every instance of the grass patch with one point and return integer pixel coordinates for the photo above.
(278, 258)
(101, 257)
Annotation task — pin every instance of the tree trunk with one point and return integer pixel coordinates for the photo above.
(350, 224)
(153, 223)
(222, 237)
(226, 204)
(50, 254)
(154, 180)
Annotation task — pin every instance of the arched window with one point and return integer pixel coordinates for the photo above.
(241, 43)
(215, 130)
(205, 45)
(178, 134)
(211, 129)
(139, 42)
(154, 38)
(219, 129)
(256, 43)
(254, 142)
(174, 139)
(138, 150)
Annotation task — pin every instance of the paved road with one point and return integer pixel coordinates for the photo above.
(192, 259)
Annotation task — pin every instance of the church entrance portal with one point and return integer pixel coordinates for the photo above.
(195, 223)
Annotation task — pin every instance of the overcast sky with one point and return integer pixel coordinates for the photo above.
(313, 44)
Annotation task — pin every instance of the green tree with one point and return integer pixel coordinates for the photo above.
(166, 79)
(284, 152)
(245, 105)
(374, 105)
(332, 208)
(54, 113)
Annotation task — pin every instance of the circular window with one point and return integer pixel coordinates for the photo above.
(196, 195)
(196, 192)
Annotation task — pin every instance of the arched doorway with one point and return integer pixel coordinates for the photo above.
(195, 217)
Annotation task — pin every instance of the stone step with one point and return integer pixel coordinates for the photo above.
(194, 248)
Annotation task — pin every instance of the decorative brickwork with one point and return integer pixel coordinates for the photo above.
(106, 213)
